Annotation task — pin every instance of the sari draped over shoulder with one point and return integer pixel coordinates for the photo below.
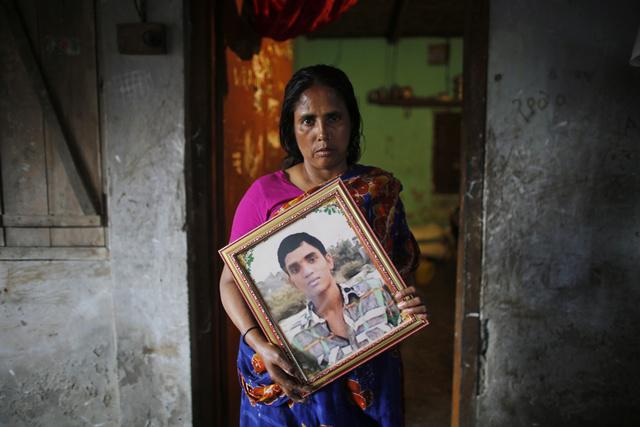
(370, 395)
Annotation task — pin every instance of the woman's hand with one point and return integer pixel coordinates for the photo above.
(413, 305)
(276, 363)
(278, 366)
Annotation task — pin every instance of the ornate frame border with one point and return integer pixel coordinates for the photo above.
(333, 192)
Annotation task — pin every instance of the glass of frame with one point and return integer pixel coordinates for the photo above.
(295, 272)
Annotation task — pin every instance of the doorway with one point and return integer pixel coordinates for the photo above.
(214, 356)
(411, 111)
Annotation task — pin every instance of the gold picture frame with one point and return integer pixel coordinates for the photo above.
(360, 268)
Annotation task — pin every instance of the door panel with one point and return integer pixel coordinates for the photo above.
(255, 89)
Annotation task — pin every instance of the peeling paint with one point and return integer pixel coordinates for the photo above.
(273, 137)
(167, 350)
(253, 155)
(273, 106)
(261, 67)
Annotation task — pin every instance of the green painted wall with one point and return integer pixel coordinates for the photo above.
(396, 139)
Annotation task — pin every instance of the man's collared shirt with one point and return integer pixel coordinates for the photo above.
(369, 312)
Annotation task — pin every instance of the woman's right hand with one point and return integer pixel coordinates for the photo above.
(278, 366)
(276, 363)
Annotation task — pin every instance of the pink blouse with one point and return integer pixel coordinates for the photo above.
(261, 200)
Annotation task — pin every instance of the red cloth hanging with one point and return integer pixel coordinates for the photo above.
(285, 19)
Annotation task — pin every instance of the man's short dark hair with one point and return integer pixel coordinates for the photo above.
(293, 242)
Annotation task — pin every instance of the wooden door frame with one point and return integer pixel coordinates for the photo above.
(204, 75)
(205, 229)
(468, 340)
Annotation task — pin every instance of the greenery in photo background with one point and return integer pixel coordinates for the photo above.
(329, 209)
(247, 259)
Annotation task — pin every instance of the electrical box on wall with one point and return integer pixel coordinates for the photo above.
(142, 39)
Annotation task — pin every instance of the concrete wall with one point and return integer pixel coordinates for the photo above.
(57, 344)
(107, 342)
(561, 285)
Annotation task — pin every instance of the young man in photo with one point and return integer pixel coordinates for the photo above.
(338, 318)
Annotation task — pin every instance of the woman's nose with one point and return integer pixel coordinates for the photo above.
(321, 129)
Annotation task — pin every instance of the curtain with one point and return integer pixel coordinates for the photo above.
(285, 19)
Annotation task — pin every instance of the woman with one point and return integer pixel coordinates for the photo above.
(320, 132)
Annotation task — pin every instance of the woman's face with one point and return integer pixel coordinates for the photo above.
(322, 128)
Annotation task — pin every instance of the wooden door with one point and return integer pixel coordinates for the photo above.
(50, 156)
(446, 152)
(255, 89)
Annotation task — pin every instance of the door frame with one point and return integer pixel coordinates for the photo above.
(204, 75)
(467, 338)
(205, 231)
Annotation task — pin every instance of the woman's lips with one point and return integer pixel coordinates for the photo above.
(313, 282)
(324, 152)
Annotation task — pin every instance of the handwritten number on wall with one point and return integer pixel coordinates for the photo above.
(528, 109)
(543, 101)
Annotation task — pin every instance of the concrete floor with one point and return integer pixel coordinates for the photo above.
(428, 355)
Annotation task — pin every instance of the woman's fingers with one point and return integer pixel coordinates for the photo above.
(407, 298)
(287, 383)
(405, 292)
(279, 360)
(410, 303)
(282, 373)
(412, 307)
(289, 386)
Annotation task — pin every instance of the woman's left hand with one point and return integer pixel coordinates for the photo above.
(413, 305)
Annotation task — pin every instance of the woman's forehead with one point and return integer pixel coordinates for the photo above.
(318, 96)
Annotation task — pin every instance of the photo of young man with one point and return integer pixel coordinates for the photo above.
(338, 319)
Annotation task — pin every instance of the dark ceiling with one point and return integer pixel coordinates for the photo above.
(394, 19)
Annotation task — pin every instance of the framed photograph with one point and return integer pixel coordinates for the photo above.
(320, 285)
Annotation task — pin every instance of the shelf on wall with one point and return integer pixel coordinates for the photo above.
(416, 101)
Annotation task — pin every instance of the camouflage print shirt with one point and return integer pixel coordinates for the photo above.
(369, 312)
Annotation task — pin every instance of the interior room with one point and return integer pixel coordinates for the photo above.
(416, 135)
(130, 130)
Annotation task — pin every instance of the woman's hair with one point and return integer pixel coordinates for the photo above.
(302, 80)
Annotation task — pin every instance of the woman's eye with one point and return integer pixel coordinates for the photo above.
(334, 117)
(308, 121)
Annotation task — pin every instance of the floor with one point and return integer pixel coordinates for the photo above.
(428, 355)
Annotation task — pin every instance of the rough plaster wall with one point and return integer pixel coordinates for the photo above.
(561, 287)
(107, 342)
(143, 107)
(57, 344)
